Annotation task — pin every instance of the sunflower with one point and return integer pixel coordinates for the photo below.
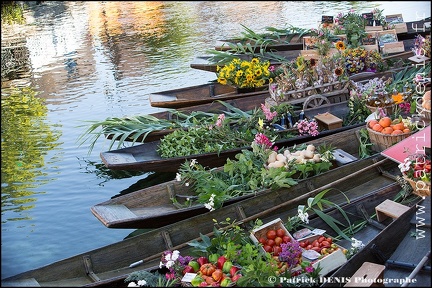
(340, 45)
(338, 71)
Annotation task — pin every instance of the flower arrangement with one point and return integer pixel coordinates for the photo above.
(245, 74)
(302, 73)
(422, 46)
(416, 169)
(307, 127)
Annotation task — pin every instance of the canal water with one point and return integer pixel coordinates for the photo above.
(88, 61)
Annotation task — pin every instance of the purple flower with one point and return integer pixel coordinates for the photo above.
(261, 139)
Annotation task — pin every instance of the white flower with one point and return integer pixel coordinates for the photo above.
(132, 284)
(208, 206)
(142, 282)
(161, 264)
(193, 162)
(187, 184)
(303, 216)
(175, 255)
(178, 177)
(356, 244)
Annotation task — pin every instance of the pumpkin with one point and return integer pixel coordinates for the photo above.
(207, 269)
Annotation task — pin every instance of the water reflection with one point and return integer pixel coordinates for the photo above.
(24, 150)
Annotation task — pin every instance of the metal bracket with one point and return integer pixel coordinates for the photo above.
(89, 268)
(240, 212)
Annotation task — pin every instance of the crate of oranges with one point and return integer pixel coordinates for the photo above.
(385, 132)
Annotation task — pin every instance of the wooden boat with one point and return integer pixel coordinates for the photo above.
(243, 103)
(294, 41)
(152, 207)
(109, 265)
(401, 256)
(200, 94)
(144, 157)
(276, 58)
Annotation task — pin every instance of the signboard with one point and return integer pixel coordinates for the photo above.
(416, 143)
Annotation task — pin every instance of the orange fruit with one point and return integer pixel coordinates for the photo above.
(397, 132)
(399, 126)
(377, 127)
(372, 122)
(406, 130)
(387, 130)
(385, 122)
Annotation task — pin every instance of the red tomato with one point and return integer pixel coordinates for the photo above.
(302, 244)
(315, 243)
(268, 248)
(262, 240)
(321, 238)
(270, 242)
(278, 240)
(286, 239)
(325, 243)
(276, 250)
(308, 247)
(280, 232)
(271, 234)
(329, 239)
(317, 249)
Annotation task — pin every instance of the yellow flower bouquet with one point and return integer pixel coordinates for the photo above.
(245, 74)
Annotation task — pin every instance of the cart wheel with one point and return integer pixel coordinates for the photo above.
(315, 101)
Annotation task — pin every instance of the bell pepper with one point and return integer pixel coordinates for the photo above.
(202, 260)
(213, 258)
(195, 265)
(221, 261)
(233, 270)
(225, 282)
(227, 266)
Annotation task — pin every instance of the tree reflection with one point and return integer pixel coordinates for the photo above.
(26, 139)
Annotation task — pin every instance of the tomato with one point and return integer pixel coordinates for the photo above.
(325, 243)
(307, 242)
(302, 244)
(207, 269)
(217, 275)
(271, 234)
(329, 239)
(321, 238)
(315, 243)
(280, 232)
(268, 248)
(308, 247)
(278, 240)
(262, 240)
(286, 239)
(270, 242)
(317, 249)
(277, 250)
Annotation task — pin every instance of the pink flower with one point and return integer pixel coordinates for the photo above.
(221, 118)
(261, 139)
(268, 114)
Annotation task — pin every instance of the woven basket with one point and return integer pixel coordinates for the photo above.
(420, 188)
(422, 111)
(382, 141)
(388, 110)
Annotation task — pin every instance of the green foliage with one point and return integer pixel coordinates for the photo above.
(12, 13)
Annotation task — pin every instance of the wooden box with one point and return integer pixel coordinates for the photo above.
(396, 47)
(370, 43)
(309, 54)
(328, 121)
(261, 231)
(329, 262)
(396, 20)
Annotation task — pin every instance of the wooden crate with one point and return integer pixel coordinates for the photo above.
(397, 20)
(370, 43)
(261, 231)
(328, 121)
(329, 262)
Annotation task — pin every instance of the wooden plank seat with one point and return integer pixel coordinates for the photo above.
(114, 212)
(389, 208)
(368, 275)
